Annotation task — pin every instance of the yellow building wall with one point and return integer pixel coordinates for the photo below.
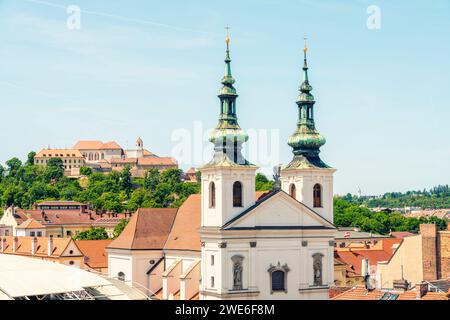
(61, 231)
(406, 262)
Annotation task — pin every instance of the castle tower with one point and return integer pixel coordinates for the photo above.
(307, 178)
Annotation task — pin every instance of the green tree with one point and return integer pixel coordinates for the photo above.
(54, 170)
(30, 158)
(125, 180)
(92, 234)
(85, 171)
(262, 183)
(120, 227)
(14, 165)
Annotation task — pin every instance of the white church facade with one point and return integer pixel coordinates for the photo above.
(231, 242)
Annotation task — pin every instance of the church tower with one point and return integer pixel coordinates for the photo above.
(228, 180)
(307, 178)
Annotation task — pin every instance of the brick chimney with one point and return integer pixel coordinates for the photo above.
(15, 244)
(33, 246)
(422, 289)
(429, 251)
(50, 246)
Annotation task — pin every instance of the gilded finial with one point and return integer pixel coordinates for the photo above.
(227, 39)
(305, 48)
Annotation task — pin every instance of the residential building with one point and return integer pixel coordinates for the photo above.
(61, 250)
(423, 257)
(72, 159)
(58, 222)
(362, 260)
(30, 228)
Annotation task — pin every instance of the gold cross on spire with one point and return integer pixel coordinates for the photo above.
(305, 48)
(227, 39)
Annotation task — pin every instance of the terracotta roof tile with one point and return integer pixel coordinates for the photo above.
(155, 161)
(94, 252)
(147, 229)
(58, 153)
(54, 217)
(24, 245)
(360, 293)
(30, 224)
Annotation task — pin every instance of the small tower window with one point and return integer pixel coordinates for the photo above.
(317, 194)
(292, 191)
(237, 194)
(212, 195)
(121, 276)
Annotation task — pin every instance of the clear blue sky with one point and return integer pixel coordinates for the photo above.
(146, 68)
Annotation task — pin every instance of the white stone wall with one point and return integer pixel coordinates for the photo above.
(224, 179)
(304, 181)
(257, 261)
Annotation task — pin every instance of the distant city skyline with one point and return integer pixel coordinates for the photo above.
(151, 68)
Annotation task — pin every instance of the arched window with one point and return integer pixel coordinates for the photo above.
(96, 156)
(237, 194)
(90, 156)
(278, 277)
(292, 191)
(121, 276)
(212, 195)
(317, 195)
(317, 269)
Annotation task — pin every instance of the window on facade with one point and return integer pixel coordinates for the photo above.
(32, 234)
(39, 233)
(212, 282)
(278, 281)
(278, 277)
(317, 195)
(292, 191)
(237, 194)
(212, 260)
(121, 276)
(68, 233)
(212, 195)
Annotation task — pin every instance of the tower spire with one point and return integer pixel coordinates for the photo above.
(228, 136)
(306, 140)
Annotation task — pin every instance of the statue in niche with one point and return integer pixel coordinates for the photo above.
(317, 265)
(237, 272)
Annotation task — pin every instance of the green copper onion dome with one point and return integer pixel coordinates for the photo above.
(306, 140)
(228, 136)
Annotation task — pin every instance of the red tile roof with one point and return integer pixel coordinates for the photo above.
(401, 234)
(360, 293)
(147, 229)
(94, 252)
(24, 245)
(59, 153)
(157, 161)
(54, 217)
(30, 224)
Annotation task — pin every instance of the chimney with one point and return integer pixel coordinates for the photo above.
(422, 289)
(15, 244)
(50, 245)
(429, 251)
(400, 284)
(90, 215)
(33, 246)
(43, 214)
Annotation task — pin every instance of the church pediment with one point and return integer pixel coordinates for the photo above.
(278, 211)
